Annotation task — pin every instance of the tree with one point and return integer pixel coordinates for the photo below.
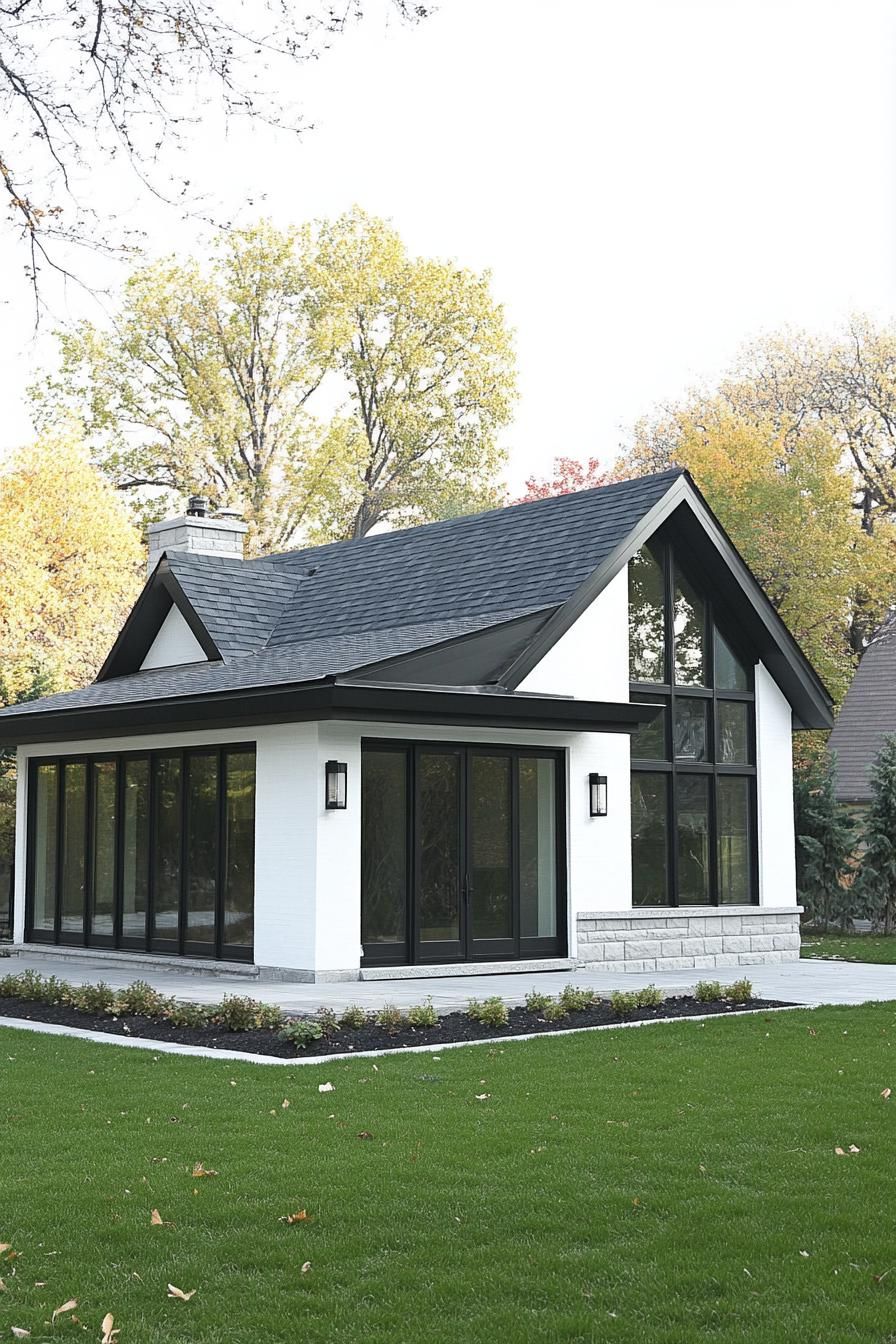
(569, 474)
(70, 562)
(428, 376)
(825, 836)
(209, 375)
(88, 83)
(876, 882)
(782, 489)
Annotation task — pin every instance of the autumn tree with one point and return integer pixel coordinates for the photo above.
(319, 379)
(569, 474)
(427, 376)
(70, 568)
(91, 84)
(784, 487)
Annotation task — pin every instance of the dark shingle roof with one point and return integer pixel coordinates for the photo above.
(532, 555)
(867, 716)
(330, 610)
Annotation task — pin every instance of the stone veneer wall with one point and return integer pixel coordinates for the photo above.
(685, 939)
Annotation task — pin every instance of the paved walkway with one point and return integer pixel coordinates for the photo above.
(809, 982)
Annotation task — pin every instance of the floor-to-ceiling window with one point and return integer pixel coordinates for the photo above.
(145, 851)
(461, 853)
(693, 767)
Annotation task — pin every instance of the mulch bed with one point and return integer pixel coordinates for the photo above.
(451, 1027)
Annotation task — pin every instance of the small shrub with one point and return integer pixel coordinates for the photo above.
(301, 1031)
(555, 1011)
(650, 997)
(139, 1000)
(492, 1012)
(576, 1000)
(741, 991)
(98, 998)
(270, 1016)
(188, 1014)
(623, 1002)
(389, 1017)
(329, 1022)
(28, 985)
(708, 991)
(354, 1016)
(237, 1012)
(537, 1001)
(423, 1015)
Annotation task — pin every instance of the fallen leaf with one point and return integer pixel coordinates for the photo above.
(854, 1149)
(106, 1327)
(200, 1170)
(840, 1152)
(306, 1266)
(284, 1105)
(66, 1306)
(156, 1219)
(365, 1134)
(886, 1094)
(325, 1087)
(4, 1246)
(180, 1294)
(301, 1217)
(2, 1286)
(19, 1332)
(483, 1096)
(804, 1254)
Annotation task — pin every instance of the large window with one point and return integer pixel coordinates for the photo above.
(693, 767)
(146, 851)
(461, 853)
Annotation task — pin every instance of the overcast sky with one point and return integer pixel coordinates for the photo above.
(651, 182)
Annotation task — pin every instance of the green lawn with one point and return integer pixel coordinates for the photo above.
(850, 947)
(670, 1183)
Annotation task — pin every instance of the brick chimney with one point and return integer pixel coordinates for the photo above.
(198, 532)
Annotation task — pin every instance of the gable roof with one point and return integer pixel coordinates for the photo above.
(867, 716)
(470, 601)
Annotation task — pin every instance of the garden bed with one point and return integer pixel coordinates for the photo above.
(369, 1035)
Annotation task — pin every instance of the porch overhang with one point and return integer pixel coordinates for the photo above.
(329, 699)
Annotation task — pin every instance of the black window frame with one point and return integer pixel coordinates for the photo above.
(217, 949)
(667, 693)
(411, 951)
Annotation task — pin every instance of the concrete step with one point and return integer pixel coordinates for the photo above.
(466, 968)
(138, 961)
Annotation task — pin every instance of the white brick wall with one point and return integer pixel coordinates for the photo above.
(678, 940)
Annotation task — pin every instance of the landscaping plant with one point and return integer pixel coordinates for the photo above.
(301, 1031)
(492, 1011)
(423, 1015)
(576, 1000)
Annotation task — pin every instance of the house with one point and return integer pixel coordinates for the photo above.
(867, 716)
(553, 733)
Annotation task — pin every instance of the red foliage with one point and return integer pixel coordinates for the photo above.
(569, 474)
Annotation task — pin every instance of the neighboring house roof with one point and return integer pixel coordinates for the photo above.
(867, 716)
(472, 602)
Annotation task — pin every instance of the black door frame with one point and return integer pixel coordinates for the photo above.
(411, 951)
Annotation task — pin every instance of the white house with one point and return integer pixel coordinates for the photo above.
(548, 734)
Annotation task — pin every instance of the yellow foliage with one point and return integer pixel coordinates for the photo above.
(70, 567)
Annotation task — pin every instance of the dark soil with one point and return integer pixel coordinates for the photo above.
(451, 1027)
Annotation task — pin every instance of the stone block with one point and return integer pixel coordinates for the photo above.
(727, 959)
(586, 925)
(670, 948)
(732, 924)
(738, 943)
(762, 942)
(713, 945)
(651, 922)
(786, 942)
(640, 967)
(693, 947)
(614, 951)
(674, 963)
(634, 951)
(704, 963)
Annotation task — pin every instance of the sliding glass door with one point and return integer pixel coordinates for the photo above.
(462, 853)
(149, 851)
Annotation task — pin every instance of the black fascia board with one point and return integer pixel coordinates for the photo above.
(161, 593)
(325, 700)
(684, 509)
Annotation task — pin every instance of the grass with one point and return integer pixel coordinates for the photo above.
(869, 947)
(651, 1186)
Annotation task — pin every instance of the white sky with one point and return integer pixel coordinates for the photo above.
(651, 182)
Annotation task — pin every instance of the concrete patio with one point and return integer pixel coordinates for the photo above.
(810, 982)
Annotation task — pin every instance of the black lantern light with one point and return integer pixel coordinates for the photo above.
(337, 784)
(597, 795)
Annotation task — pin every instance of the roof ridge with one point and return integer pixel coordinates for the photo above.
(278, 558)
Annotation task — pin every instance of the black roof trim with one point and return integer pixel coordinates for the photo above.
(337, 699)
(135, 639)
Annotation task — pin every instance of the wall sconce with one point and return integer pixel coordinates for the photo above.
(597, 795)
(337, 784)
